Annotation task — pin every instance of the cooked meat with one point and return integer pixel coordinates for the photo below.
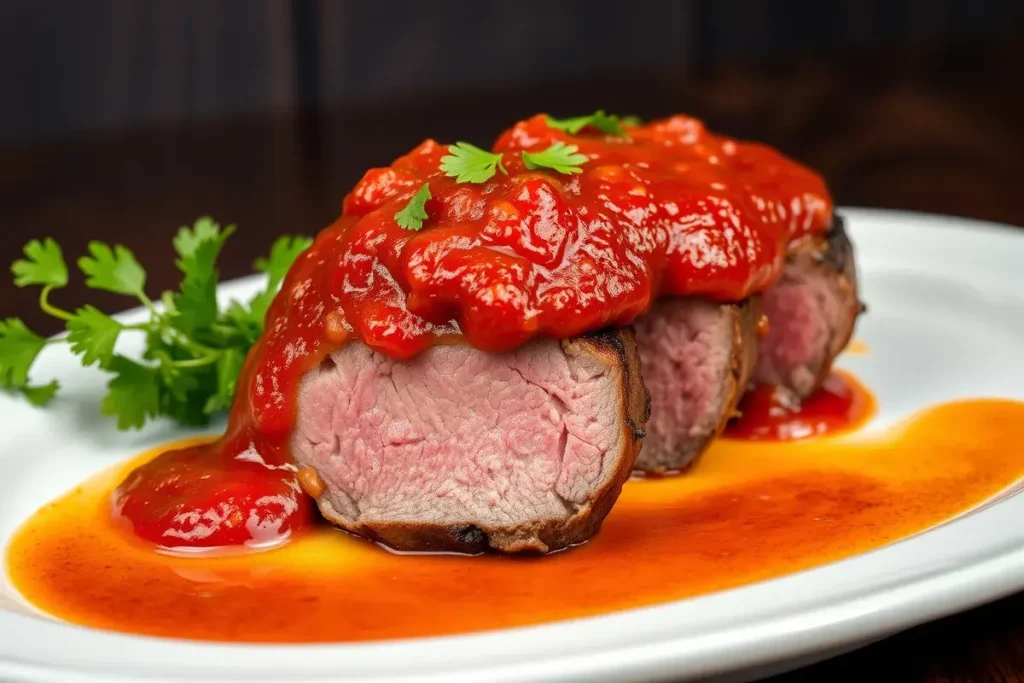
(462, 450)
(696, 357)
(811, 312)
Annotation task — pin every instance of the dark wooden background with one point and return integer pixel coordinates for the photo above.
(121, 120)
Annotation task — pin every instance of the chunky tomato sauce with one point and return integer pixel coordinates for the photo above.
(670, 210)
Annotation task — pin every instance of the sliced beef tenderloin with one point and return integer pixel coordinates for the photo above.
(696, 358)
(461, 450)
(811, 312)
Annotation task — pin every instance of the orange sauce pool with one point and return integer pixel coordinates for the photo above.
(748, 511)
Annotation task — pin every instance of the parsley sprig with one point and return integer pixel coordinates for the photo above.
(558, 157)
(603, 122)
(194, 349)
(411, 217)
(469, 164)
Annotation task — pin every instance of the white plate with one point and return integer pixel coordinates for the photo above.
(946, 321)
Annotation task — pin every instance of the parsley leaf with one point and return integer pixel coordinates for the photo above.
(176, 382)
(605, 123)
(228, 367)
(415, 212)
(558, 157)
(133, 395)
(19, 347)
(113, 270)
(187, 241)
(92, 335)
(198, 248)
(43, 265)
(41, 395)
(283, 253)
(245, 324)
(469, 164)
(631, 121)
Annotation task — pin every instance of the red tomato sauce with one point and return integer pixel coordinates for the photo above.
(841, 404)
(670, 210)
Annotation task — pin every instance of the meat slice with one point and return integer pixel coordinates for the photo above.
(811, 312)
(461, 450)
(696, 358)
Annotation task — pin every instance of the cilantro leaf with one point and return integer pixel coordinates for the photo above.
(19, 347)
(133, 395)
(196, 305)
(469, 164)
(188, 410)
(245, 324)
(558, 157)
(175, 380)
(41, 394)
(170, 307)
(44, 265)
(188, 240)
(605, 123)
(283, 253)
(229, 365)
(415, 212)
(92, 335)
(631, 121)
(258, 307)
(113, 270)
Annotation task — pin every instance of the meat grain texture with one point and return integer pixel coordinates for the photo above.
(811, 312)
(462, 450)
(696, 358)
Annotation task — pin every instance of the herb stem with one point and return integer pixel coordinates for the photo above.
(49, 309)
(197, 347)
(148, 303)
(196, 362)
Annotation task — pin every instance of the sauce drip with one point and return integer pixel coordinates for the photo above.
(672, 210)
(841, 404)
(747, 511)
(208, 495)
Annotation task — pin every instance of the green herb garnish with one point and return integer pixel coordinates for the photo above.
(415, 212)
(606, 123)
(469, 164)
(558, 157)
(194, 349)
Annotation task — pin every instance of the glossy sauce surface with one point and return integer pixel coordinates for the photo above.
(767, 414)
(747, 511)
(672, 209)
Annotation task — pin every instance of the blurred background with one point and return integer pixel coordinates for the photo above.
(123, 119)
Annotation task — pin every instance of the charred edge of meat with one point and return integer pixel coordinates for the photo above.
(622, 342)
(825, 262)
(839, 256)
(747, 339)
(617, 349)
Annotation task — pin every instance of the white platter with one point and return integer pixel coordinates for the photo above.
(946, 321)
